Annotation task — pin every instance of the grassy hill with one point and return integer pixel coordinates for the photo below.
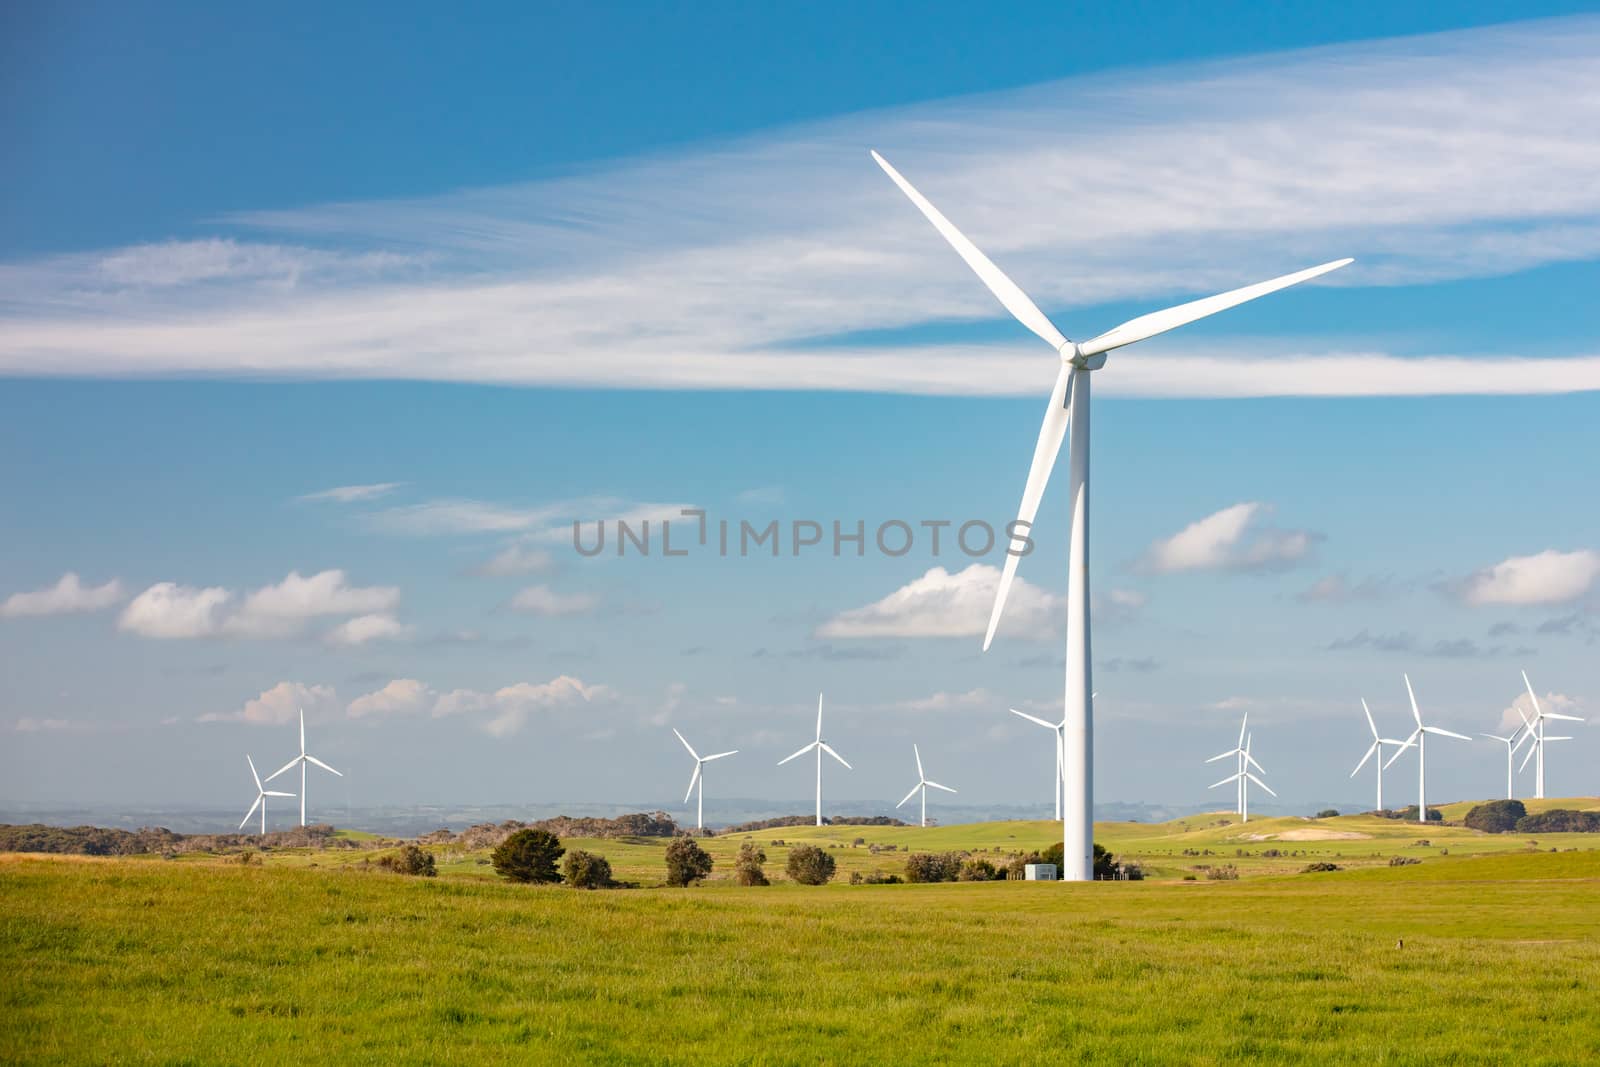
(215, 961)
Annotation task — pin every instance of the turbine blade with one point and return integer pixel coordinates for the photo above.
(1442, 732)
(1225, 781)
(1532, 695)
(1369, 718)
(1052, 431)
(302, 731)
(1005, 290)
(1408, 743)
(1555, 739)
(1225, 755)
(249, 813)
(280, 770)
(324, 766)
(819, 716)
(719, 755)
(802, 752)
(1531, 750)
(1364, 759)
(253, 773)
(910, 795)
(1568, 718)
(693, 778)
(1259, 782)
(835, 755)
(686, 744)
(1416, 713)
(1034, 718)
(275, 793)
(1252, 761)
(936, 785)
(915, 752)
(1158, 322)
(1243, 723)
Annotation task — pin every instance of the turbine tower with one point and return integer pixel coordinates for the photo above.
(302, 759)
(1377, 750)
(1512, 743)
(1242, 752)
(1536, 728)
(1419, 736)
(699, 779)
(1060, 730)
(1068, 408)
(261, 798)
(821, 746)
(924, 785)
(1243, 776)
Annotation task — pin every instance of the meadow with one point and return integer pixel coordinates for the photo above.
(215, 961)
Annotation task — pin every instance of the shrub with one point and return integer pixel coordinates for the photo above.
(1409, 814)
(976, 870)
(411, 859)
(1560, 821)
(687, 862)
(528, 856)
(1312, 868)
(1228, 873)
(1328, 813)
(932, 867)
(1402, 861)
(809, 865)
(874, 878)
(585, 870)
(747, 868)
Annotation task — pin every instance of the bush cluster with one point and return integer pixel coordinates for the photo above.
(810, 865)
(1312, 868)
(1496, 817)
(1402, 861)
(874, 878)
(410, 859)
(1328, 813)
(933, 866)
(747, 868)
(687, 862)
(1560, 821)
(528, 856)
(585, 870)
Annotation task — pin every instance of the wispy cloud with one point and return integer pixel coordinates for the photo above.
(1234, 539)
(546, 602)
(351, 494)
(769, 262)
(69, 596)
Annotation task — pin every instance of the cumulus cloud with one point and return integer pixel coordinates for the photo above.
(351, 494)
(1234, 539)
(403, 696)
(1548, 577)
(1521, 709)
(941, 604)
(506, 710)
(367, 628)
(281, 704)
(69, 596)
(168, 610)
(546, 602)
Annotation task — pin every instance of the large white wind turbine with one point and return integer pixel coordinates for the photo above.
(699, 779)
(1241, 751)
(924, 785)
(1068, 408)
(1244, 778)
(821, 746)
(1535, 728)
(1376, 750)
(302, 759)
(262, 794)
(1419, 736)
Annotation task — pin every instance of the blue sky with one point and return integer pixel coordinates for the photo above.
(489, 276)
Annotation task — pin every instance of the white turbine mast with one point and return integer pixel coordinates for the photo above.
(1419, 737)
(1242, 776)
(821, 746)
(1068, 408)
(923, 785)
(261, 798)
(1376, 750)
(302, 759)
(1535, 727)
(699, 779)
(1518, 738)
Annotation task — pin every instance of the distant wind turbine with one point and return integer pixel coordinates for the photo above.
(1242, 753)
(821, 746)
(1376, 750)
(302, 759)
(1535, 726)
(1060, 729)
(1068, 408)
(261, 798)
(1243, 776)
(699, 779)
(1419, 736)
(923, 785)
(1512, 743)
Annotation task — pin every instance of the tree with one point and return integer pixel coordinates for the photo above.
(1496, 817)
(747, 868)
(976, 870)
(411, 859)
(528, 856)
(1328, 813)
(1560, 821)
(809, 865)
(687, 862)
(932, 866)
(585, 870)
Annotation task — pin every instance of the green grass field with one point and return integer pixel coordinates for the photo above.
(210, 961)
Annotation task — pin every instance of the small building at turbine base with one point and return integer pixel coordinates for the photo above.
(1040, 872)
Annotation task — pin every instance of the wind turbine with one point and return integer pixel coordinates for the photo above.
(924, 785)
(1536, 728)
(821, 746)
(698, 779)
(1420, 736)
(1377, 750)
(302, 759)
(261, 798)
(1512, 743)
(1244, 778)
(1068, 408)
(1242, 751)
(1060, 729)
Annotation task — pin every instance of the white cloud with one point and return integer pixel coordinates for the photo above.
(170, 610)
(403, 696)
(281, 704)
(544, 601)
(1230, 539)
(721, 266)
(351, 494)
(366, 628)
(283, 610)
(67, 597)
(1548, 577)
(941, 604)
(40, 726)
(508, 709)
(949, 701)
(514, 559)
(1511, 717)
